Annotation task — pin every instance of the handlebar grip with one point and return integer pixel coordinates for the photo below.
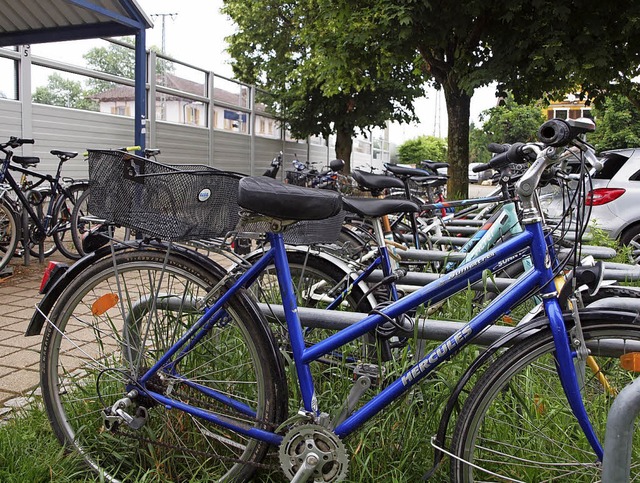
(514, 154)
(555, 132)
(496, 148)
(481, 167)
(25, 141)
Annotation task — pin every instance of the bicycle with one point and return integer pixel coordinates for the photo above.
(152, 365)
(27, 200)
(83, 223)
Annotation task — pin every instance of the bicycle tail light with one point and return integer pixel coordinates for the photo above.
(602, 196)
(51, 274)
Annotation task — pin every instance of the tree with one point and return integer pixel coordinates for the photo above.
(422, 148)
(287, 48)
(478, 142)
(532, 48)
(617, 124)
(118, 60)
(512, 122)
(64, 92)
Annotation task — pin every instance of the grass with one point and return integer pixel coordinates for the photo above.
(392, 448)
(30, 452)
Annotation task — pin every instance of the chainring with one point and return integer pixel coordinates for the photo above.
(305, 439)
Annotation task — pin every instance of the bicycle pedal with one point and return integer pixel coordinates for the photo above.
(372, 371)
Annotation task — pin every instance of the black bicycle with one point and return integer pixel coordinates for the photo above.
(37, 205)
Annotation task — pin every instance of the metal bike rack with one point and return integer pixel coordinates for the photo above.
(616, 466)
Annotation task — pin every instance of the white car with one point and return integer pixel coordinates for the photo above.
(615, 206)
(478, 177)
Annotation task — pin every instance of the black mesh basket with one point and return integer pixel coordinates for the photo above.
(171, 202)
(306, 232)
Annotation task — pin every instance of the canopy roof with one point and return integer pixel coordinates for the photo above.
(38, 21)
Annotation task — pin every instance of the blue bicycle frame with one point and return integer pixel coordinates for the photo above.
(540, 278)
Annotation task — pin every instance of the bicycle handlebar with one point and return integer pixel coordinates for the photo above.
(16, 142)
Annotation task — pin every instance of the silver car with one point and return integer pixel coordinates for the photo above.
(615, 206)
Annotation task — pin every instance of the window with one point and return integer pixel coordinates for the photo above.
(192, 115)
(586, 113)
(611, 165)
(561, 113)
(235, 121)
(121, 110)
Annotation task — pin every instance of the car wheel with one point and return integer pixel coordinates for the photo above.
(631, 238)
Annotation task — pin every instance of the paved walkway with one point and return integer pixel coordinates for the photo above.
(19, 355)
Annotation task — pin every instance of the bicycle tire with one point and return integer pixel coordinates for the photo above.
(316, 281)
(516, 421)
(41, 207)
(62, 216)
(86, 356)
(8, 234)
(79, 225)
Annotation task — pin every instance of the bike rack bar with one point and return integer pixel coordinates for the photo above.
(616, 465)
(428, 329)
(464, 222)
(419, 279)
(430, 255)
(466, 231)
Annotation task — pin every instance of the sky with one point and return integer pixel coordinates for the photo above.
(195, 34)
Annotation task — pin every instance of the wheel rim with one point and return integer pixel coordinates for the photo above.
(99, 341)
(526, 432)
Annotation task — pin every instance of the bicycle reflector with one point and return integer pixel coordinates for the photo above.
(51, 274)
(602, 196)
(630, 361)
(104, 303)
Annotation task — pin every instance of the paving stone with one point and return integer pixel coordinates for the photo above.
(21, 359)
(20, 382)
(21, 341)
(18, 402)
(19, 355)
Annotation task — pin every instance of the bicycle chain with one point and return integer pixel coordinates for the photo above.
(205, 405)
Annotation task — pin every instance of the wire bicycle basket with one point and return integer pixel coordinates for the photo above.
(171, 202)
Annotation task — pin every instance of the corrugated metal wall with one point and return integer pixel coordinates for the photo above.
(77, 130)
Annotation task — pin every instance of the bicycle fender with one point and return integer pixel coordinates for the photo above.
(49, 299)
(539, 323)
(61, 199)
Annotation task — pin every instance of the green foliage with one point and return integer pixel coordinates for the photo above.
(512, 122)
(344, 47)
(618, 124)
(63, 92)
(117, 60)
(422, 148)
(478, 142)
(323, 74)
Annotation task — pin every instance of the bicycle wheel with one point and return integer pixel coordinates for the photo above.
(62, 216)
(39, 242)
(516, 422)
(317, 283)
(81, 224)
(109, 327)
(8, 234)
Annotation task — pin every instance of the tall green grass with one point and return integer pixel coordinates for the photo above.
(393, 447)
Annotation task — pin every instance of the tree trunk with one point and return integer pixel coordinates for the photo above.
(344, 145)
(458, 112)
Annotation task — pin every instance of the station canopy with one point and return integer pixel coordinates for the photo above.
(25, 22)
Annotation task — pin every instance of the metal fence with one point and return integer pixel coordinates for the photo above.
(194, 116)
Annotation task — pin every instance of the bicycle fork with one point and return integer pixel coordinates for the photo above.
(567, 371)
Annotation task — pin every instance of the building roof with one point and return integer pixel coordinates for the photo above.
(38, 21)
(125, 93)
